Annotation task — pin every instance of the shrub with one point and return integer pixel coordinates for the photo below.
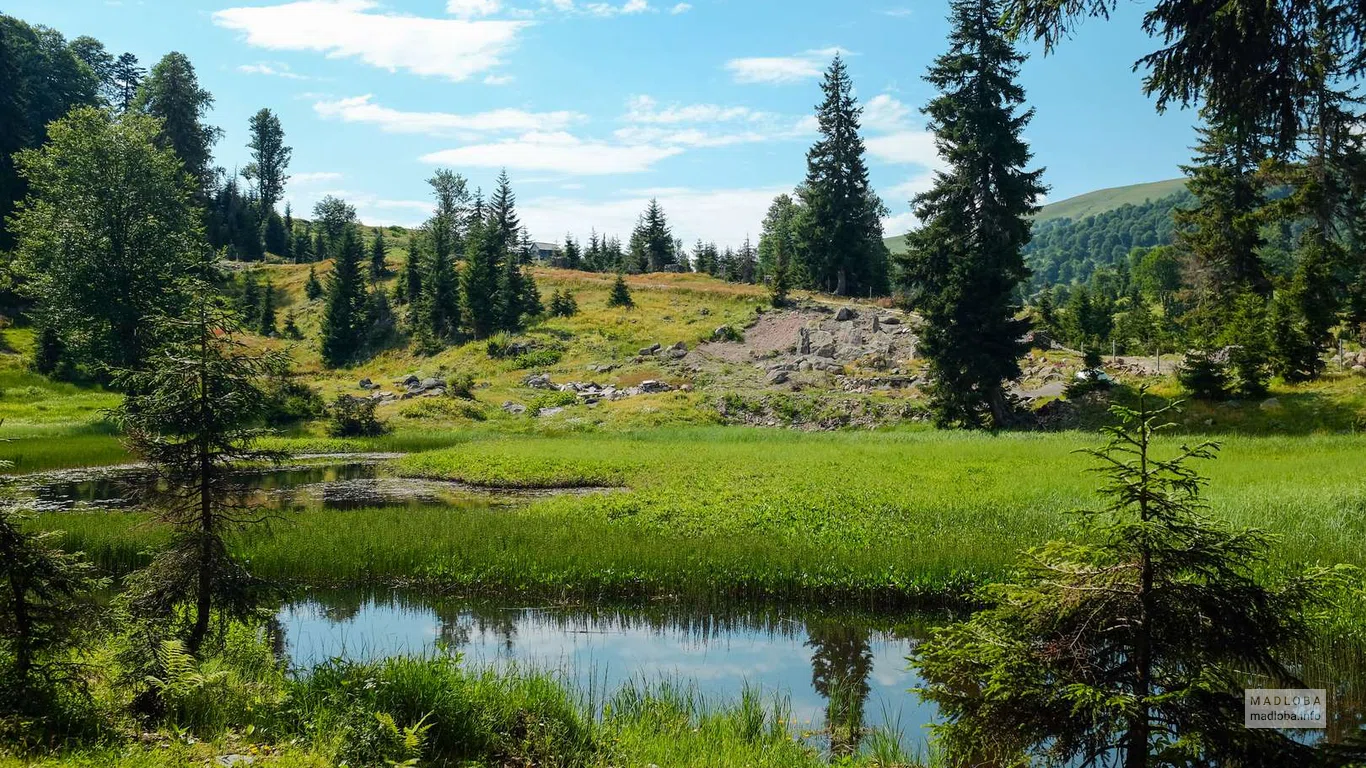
(289, 401)
(1203, 377)
(355, 417)
(562, 304)
(537, 358)
(460, 385)
(621, 294)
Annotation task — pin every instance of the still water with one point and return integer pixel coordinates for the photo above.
(840, 674)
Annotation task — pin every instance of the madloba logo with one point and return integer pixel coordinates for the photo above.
(1285, 708)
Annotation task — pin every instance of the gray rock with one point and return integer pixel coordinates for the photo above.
(804, 366)
(433, 383)
(366, 383)
(435, 392)
(539, 381)
(826, 350)
(683, 345)
(778, 377)
(650, 386)
(549, 411)
(685, 388)
(1270, 404)
(678, 354)
(891, 320)
(876, 328)
(721, 333)
(233, 760)
(650, 350)
(845, 313)
(804, 347)
(515, 409)
(407, 381)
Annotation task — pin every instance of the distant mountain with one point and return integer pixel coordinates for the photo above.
(1089, 204)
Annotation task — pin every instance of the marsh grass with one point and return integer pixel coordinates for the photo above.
(716, 514)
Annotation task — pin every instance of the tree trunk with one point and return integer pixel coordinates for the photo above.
(204, 589)
(23, 627)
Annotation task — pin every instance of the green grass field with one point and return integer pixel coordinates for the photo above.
(720, 513)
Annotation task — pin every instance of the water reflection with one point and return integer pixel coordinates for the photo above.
(338, 486)
(843, 673)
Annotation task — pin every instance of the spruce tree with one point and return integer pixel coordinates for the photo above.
(343, 322)
(509, 304)
(654, 239)
(441, 293)
(1249, 345)
(265, 324)
(377, 251)
(269, 158)
(965, 263)
(1132, 645)
(844, 240)
(1222, 232)
(479, 279)
(502, 216)
(127, 79)
(412, 274)
(171, 93)
(1293, 356)
(621, 294)
(313, 288)
(572, 258)
(193, 414)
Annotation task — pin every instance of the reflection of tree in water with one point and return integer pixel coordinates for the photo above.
(841, 661)
(458, 621)
(342, 605)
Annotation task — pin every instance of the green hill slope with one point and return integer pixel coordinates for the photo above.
(1089, 204)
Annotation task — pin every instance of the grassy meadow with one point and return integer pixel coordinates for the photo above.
(716, 513)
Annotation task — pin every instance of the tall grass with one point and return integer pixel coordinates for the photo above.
(872, 518)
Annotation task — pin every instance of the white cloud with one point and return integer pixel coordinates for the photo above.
(273, 70)
(607, 9)
(370, 209)
(911, 187)
(498, 79)
(315, 177)
(885, 113)
(361, 109)
(908, 146)
(557, 152)
(898, 13)
(781, 69)
(900, 224)
(469, 9)
(644, 109)
(698, 137)
(450, 48)
(680, 8)
(723, 215)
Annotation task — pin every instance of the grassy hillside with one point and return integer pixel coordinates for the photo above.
(1090, 204)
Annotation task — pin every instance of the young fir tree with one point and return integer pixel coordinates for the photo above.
(1222, 233)
(440, 295)
(844, 239)
(1204, 377)
(654, 239)
(1293, 356)
(571, 258)
(192, 414)
(265, 318)
(249, 304)
(1131, 646)
(479, 279)
(47, 606)
(964, 264)
(313, 288)
(502, 216)
(411, 279)
(621, 294)
(172, 95)
(509, 302)
(344, 313)
(378, 270)
(1249, 345)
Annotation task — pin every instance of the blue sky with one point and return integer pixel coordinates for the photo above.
(594, 107)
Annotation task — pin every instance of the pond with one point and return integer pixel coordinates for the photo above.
(839, 673)
(353, 483)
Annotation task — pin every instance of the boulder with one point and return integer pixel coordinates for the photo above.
(432, 383)
(891, 320)
(826, 350)
(804, 346)
(722, 333)
(681, 345)
(777, 377)
(650, 350)
(549, 411)
(845, 313)
(515, 409)
(539, 381)
(876, 327)
(407, 381)
(1270, 404)
(435, 392)
(366, 383)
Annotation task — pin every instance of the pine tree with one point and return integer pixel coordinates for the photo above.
(509, 305)
(1132, 647)
(502, 216)
(265, 324)
(269, 158)
(377, 253)
(1222, 232)
(127, 79)
(654, 240)
(291, 329)
(573, 259)
(343, 322)
(1202, 376)
(1293, 356)
(621, 294)
(479, 279)
(313, 288)
(192, 415)
(250, 302)
(965, 264)
(171, 93)
(1249, 351)
(287, 251)
(441, 295)
(844, 240)
(412, 274)
(748, 266)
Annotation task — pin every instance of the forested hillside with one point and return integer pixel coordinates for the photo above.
(1065, 250)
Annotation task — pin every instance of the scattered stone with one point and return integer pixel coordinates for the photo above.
(877, 328)
(366, 383)
(407, 381)
(804, 348)
(432, 383)
(231, 760)
(680, 346)
(650, 386)
(844, 313)
(804, 366)
(685, 388)
(539, 381)
(778, 377)
(704, 311)
(549, 411)
(722, 333)
(826, 350)
(1270, 404)
(891, 320)
(435, 392)
(516, 409)
(650, 350)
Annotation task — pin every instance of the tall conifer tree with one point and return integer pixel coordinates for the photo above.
(964, 264)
